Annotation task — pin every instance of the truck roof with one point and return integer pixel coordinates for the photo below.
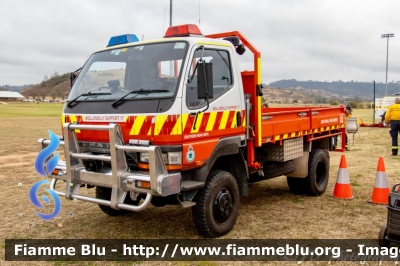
(200, 39)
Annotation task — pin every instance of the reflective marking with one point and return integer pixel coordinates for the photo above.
(160, 120)
(224, 119)
(233, 124)
(343, 176)
(177, 130)
(211, 121)
(74, 119)
(381, 180)
(214, 43)
(137, 125)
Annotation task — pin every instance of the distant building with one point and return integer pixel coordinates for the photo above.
(10, 96)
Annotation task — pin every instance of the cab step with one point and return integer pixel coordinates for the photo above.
(189, 185)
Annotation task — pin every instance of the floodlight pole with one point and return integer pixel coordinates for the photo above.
(170, 13)
(388, 35)
(171, 64)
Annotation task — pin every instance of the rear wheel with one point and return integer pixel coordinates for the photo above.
(217, 205)
(318, 175)
(105, 193)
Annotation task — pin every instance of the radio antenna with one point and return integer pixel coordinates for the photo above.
(199, 13)
(165, 12)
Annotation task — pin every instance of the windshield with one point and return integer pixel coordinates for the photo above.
(111, 74)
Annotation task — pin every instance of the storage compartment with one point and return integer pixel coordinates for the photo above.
(291, 149)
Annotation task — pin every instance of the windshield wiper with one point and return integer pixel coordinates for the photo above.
(86, 94)
(141, 91)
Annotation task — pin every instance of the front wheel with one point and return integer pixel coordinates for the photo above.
(217, 205)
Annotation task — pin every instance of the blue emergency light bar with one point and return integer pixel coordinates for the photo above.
(127, 38)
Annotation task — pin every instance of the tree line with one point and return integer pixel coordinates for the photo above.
(345, 89)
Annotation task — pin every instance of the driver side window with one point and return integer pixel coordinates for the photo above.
(222, 76)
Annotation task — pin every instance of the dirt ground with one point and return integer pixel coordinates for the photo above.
(270, 212)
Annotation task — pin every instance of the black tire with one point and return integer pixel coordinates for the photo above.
(383, 242)
(296, 185)
(217, 205)
(105, 193)
(318, 173)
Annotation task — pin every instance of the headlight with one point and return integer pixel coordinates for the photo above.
(144, 157)
(174, 157)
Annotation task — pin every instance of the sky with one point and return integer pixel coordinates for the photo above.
(324, 40)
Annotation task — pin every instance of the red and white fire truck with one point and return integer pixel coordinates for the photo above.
(174, 121)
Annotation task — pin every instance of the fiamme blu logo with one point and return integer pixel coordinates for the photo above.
(45, 164)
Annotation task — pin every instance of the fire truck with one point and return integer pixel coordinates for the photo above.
(175, 121)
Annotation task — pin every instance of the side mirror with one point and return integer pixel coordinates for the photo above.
(204, 81)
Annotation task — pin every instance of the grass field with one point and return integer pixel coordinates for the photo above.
(270, 211)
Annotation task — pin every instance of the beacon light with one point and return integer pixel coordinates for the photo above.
(183, 30)
(121, 39)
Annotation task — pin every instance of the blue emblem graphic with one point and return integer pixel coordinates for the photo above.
(190, 154)
(51, 164)
(35, 201)
(45, 153)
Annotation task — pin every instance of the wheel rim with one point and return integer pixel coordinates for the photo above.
(223, 205)
(320, 173)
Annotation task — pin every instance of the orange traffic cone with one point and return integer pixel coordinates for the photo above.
(380, 194)
(342, 187)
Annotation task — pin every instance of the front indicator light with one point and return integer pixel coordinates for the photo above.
(175, 157)
(143, 184)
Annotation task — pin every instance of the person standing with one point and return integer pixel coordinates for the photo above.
(392, 117)
(348, 113)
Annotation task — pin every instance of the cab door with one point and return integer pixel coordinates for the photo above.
(223, 116)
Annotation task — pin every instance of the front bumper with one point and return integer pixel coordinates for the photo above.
(119, 178)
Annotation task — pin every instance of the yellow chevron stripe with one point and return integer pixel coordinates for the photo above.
(224, 120)
(62, 119)
(285, 136)
(137, 125)
(293, 135)
(277, 137)
(316, 130)
(211, 121)
(160, 120)
(233, 124)
(177, 130)
(74, 119)
(198, 123)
